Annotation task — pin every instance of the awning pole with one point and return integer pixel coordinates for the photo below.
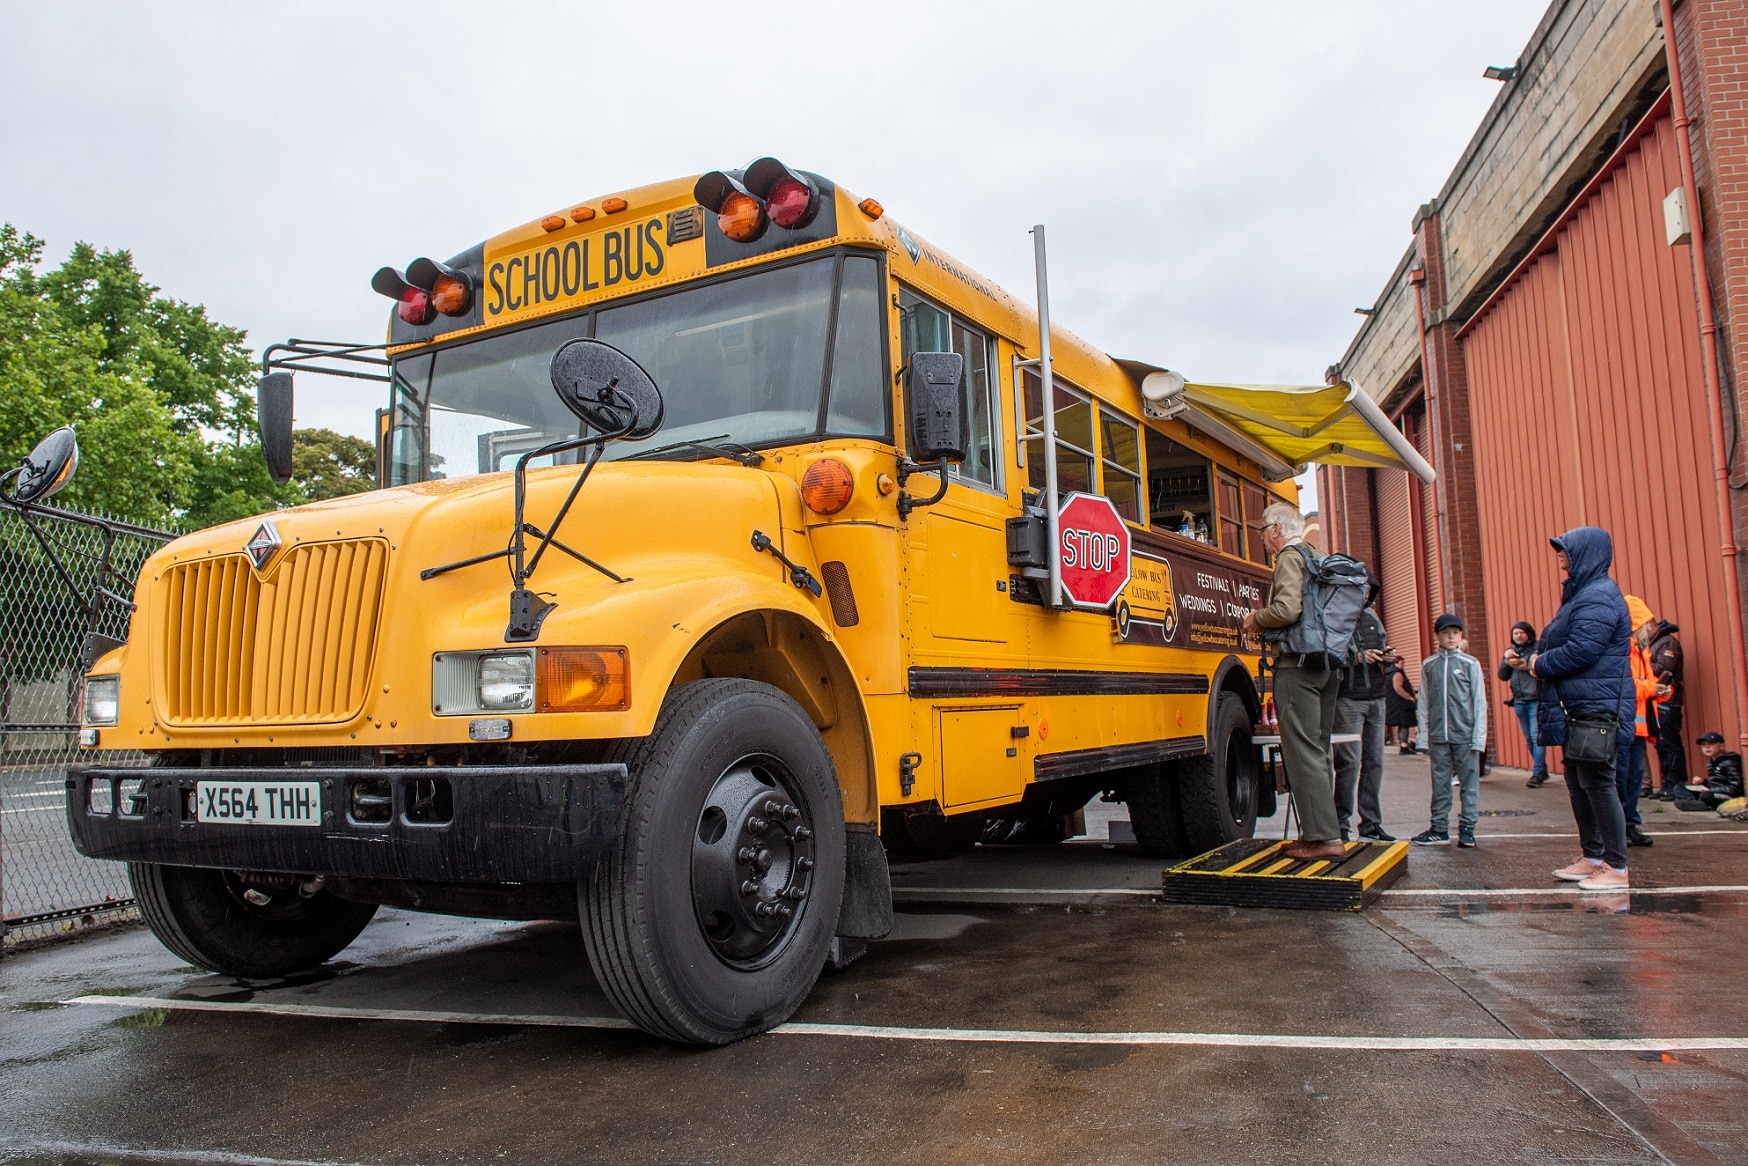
(1052, 506)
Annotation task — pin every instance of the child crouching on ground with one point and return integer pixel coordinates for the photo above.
(1453, 727)
(1723, 776)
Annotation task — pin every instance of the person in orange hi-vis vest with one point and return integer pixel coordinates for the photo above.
(1629, 770)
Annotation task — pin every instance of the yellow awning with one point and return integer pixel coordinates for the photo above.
(1285, 427)
(1336, 425)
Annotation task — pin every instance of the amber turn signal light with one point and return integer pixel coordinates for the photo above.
(451, 289)
(739, 214)
(584, 680)
(827, 486)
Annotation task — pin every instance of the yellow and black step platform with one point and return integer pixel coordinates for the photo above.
(1254, 872)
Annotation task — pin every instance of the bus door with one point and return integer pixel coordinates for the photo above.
(960, 613)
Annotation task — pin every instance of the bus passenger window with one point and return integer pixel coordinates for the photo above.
(1231, 517)
(1255, 500)
(927, 328)
(1180, 488)
(1120, 460)
(1074, 438)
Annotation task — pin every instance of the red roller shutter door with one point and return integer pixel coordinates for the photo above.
(1588, 405)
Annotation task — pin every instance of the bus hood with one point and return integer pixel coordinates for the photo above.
(295, 618)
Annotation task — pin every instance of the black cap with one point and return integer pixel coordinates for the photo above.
(1447, 620)
(1710, 739)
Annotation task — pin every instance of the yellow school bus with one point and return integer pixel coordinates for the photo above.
(728, 534)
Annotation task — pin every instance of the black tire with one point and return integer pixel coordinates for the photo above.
(203, 916)
(1219, 791)
(682, 948)
(1154, 813)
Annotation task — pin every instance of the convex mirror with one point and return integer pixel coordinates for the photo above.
(607, 389)
(940, 423)
(48, 467)
(273, 414)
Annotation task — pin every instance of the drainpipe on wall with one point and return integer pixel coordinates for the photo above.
(1708, 333)
(1417, 279)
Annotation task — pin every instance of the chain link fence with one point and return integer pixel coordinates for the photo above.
(47, 887)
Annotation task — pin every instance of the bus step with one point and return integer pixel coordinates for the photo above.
(1253, 872)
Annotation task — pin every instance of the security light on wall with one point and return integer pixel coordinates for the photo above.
(1500, 72)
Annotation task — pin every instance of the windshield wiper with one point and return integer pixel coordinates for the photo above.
(714, 446)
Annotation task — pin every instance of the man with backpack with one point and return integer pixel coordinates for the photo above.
(1309, 623)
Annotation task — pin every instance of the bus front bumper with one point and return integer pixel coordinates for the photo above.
(452, 824)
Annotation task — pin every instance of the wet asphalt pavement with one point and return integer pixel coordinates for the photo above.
(1477, 953)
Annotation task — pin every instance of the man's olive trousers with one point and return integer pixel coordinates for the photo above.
(1305, 706)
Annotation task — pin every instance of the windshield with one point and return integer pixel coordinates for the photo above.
(779, 355)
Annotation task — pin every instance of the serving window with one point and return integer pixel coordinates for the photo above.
(1180, 488)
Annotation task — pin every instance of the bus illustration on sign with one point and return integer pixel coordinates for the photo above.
(728, 537)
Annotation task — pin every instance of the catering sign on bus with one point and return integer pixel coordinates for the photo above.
(1094, 545)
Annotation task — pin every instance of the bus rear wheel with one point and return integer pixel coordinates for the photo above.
(712, 915)
(243, 924)
(1220, 791)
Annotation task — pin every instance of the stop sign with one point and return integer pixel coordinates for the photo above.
(1094, 545)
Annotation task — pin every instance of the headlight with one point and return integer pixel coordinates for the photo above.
(506, 681)
(102, 700)
(463, 683)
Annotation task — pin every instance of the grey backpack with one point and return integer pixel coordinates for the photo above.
(1335, 594)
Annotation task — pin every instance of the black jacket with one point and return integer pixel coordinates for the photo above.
(1666, 662)
(1523, 685)
(1724, 777)
(1365, 681)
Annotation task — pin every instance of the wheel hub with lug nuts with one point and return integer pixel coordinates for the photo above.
(752, 862)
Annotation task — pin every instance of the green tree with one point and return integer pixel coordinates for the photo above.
(325, 464)
(161, 395)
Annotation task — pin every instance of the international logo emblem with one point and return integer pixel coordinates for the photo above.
(262, 544)
(910, 247)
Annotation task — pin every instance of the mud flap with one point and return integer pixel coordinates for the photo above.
(867, 908)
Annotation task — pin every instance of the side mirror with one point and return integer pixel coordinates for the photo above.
(940, 425)
(46, 468)
(607, 389)
(273, 414)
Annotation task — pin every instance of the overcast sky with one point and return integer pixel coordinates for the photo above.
(1222, 183)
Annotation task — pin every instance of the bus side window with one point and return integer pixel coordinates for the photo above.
(924, 327)
(1255, 499)
(1180, 488)
(1074, 435)
(1120, 462)
(1231, 517)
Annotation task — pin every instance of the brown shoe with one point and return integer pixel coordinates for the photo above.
(1308, 851)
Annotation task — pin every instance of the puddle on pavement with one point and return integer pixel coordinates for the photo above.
(1696, 904)
(150, 1018)
(907, 926)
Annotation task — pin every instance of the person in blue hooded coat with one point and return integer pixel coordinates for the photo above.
(1583, 657)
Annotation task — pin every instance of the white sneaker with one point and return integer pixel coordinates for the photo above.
(1578, 871)
(1606, 878)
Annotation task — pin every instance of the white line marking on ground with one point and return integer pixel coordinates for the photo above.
(990, 1035)
(88, 1150)
(1652, 833)
(1566, 889)
(1569, 890)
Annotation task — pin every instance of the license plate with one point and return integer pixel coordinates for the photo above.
(259, 803)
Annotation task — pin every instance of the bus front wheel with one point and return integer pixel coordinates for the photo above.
(245, 924)
(710, 918)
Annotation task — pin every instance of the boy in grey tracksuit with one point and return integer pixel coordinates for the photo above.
(1453, 725)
